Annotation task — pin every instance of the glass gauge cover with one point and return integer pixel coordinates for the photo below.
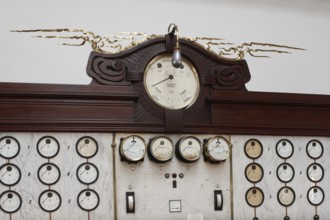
(87, 173)
(286, 196)
(161, 149)
(132, 148)
(254, 172)
(189, 149)
(253, 149)
(170, 87)
(315, 172)
(50, 200)
(254, 197)
(284, 149)
(88, 200)
(9, 147)
(87, 147)
(10, 174)
(48, 147)
(314, 149)
(217, 149)
(10, 201)
(315, 195)
(285, 172)
(49, 173)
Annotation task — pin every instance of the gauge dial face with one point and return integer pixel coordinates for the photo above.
(87, 147)
(88, 200)
(285, 172)
(253, 149)
(10, 174)
(315, 172)
(161, 149)
(189, 148)
(87, 173)
(315, 195)
(48, 147)
(254, 172)
(10, 201)
(284, 149)
(9, 147)
(49, 173)
(132, 148)
(286, 196)
(314, 149)
(170, 87)
(217, 149)
(50, 200)
(254, 197)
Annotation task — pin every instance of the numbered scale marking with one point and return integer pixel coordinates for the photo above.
(9, 147)
(87, 173)
(50, 200)
(48, 147)
(10, 201)
(10, 174)
(88, 200)
(87, 147)
(49, 173)
(253, 149)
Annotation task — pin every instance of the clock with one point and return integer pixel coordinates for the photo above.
(171, 87)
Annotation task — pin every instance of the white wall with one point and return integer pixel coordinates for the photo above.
(297, 23)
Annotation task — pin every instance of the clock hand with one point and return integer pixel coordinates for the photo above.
(169, 77)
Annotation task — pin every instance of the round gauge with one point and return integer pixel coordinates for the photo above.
(161, 149)
(189, 149)
(217, 149)
(284, 149)
(285, 172)
(170, 87)
(286, 196)
(87, 147)
(10, 201)
(9, 147)
(314, 149)
(253, 149)
(50, 200)
(315, 172)
(254, 172)
(132, 148)
(254, 196)
(87, 173)
(10, 174)
(48, 147)
(88, 200)
(315, 195)
(49, 173)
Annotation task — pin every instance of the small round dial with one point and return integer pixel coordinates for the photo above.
(286, 196)
(170, 87)
(314, 149)
(10, 174)
(50, 200)
(253, 149)
(48, 147)
(284, 149)
(132, 148)
(87, 173)
(315, 195)
(87, 147)
(10, 201)
(88, 200)
(49, 173)
(217, 149)
(315, 172)
(161, 149)
(9, 147)
(285, 172)
(254, 197)
(254, 172)
(189, 149)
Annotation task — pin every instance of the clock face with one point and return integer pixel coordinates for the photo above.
(170, 87)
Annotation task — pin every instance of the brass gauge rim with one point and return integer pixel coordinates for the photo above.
(209, 155)
(258, 144)
(318, 165)
(288, 165)
(257, 190)
(57, 145)
(247, 176)
(285, 141)
(122, 153)
(322, 149)
(315, 188)
(157, 158)
(88, 156)
(293, 193)
(18, 144)
(19, 197)
(179, 150)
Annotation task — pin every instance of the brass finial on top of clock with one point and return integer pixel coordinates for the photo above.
(122, 41)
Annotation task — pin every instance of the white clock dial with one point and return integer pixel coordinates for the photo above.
(217, 149)
(286, 196)
(189, 149)
(170, 87)
(87, 173)
(315, 195)
(285, 172)
(49, 173)
(10, 174)
(50, 200)
(314, 149)
(315, 172)
(88, 200)
(284, 149)
(10, 201)
(9, 147)
(132, 148)
(87, 147)
(48, 147)
(161, 148)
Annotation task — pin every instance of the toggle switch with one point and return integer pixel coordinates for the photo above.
(218, 200)
(130, 202)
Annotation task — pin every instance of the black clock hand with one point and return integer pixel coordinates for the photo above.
(169, 77)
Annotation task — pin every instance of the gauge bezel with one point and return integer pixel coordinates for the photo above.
(294, 196)
(208, 155)
(124, 156)
(98, 199)
(258, 189)
(151, 150)
(314, 140)
(257, 165)
(288, 165)
(179, 150)
(88, 156)
(57, 144)
(18, 144)
(20, 199)
(53, 165)
(90, 164)
(245, 150)
(19, 171)
(290, 144)
(318, 188)
(320, 166)
(48, 191)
